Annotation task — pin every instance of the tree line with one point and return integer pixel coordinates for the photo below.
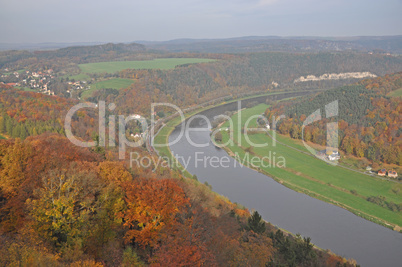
(369, 121)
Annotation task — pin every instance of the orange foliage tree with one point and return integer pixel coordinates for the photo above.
(152, 204)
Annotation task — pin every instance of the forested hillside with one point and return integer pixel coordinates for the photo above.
(24, 114)
(369, 121)
(187, 84)
(197, 83)
(61, 205)
(77, 54)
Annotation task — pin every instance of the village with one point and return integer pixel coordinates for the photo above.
(37, 81)
(40, 81)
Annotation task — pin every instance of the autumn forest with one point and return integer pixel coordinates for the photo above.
(64, 205)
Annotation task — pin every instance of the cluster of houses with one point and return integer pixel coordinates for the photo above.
(329, 154)
(390, 173)
(137, 136)
(77, 85)
(38, 81)
(332, 154)
(34, 80)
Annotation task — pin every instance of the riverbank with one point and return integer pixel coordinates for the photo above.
(162, 138)
(160, 141)
(333, 191)
(328, 225)
(311, 176)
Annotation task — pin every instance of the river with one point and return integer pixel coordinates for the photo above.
(329, 226)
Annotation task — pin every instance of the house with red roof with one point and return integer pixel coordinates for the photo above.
(382, 172)
(392, 174)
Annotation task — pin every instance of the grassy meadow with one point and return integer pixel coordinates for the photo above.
(315, 177)
(27, 89)
(79, 77)
(117, 83)
(396, 93)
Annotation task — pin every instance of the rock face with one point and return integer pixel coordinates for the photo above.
(336, 76)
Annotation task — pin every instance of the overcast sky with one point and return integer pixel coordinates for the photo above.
(37, 21)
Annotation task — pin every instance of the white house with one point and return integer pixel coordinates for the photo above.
(334, 156)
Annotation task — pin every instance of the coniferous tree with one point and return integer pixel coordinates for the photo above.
(255, 223)
(9, 126)
(2, 124)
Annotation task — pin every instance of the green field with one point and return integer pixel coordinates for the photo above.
(26, 89)
(117, 83)
(2, 137)
(315, 177)
(78, 77)
(161, 63)
(396, 93)
(11, 72)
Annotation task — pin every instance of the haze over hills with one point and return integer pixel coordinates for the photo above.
(386, 44)
(43, 46)
(391, 44)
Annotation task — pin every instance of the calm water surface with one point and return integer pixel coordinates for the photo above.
(329, 226)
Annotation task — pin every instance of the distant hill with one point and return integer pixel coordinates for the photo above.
(93, 51)
(78, 54)
(43, 46)
(252, 72)
(378, 44)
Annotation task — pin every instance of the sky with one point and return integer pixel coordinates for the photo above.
(39, 21)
